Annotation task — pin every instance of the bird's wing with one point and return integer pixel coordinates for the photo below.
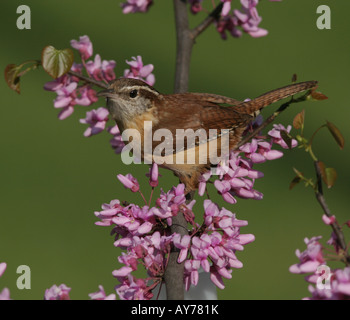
(197, 112)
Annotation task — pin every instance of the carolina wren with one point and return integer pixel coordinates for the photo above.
(132, 103)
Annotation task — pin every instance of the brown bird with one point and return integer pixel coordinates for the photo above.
(187, 121)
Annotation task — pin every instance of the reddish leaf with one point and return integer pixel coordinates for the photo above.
(294, 182)
(12, 78)
(329, 175)
(298, 122)
(337, 135)
(56, 62)
(318, 95)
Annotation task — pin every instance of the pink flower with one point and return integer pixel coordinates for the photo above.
(129, 182)
(5, 294)
(101, 70)
(341, 282)
(85, 96)
(249, 19)
(328, 220)
(196, 6)
(226, 7)
(57, 293)
(3, 267)
(223, 188)
(228, 23)
(108, 69)
(116, 142)
(133, 6)
(153, 175)
(84, 46)
(275, 133)
(133, 289)
(203, 182)
(182, 243)
(94, 68)
(246, 19)
(310, 259)
(97, 120)
(65, 96)
(110, 210)
(66, 100)
(139, 71)
(101, 295)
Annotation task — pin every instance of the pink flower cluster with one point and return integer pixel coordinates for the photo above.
(5, 293)
(142, 233)
(72, 91)
(325, 283)
(69, 91)
(310, 259)
(60, 292)
(97, 120)
(133, 6)
(214, 247)
(339, 287)
(246, 19)
(235, 22)
(236, 177)
(139, 71)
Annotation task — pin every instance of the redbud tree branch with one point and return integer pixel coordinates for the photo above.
(340, 239)
(174, 272)
(185, 39)
(207, 22)
(88, 80)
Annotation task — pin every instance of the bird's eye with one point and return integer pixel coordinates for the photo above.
(133, 93)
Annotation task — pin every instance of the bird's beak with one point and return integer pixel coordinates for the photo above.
(108, 93)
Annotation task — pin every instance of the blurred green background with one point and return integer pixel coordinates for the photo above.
(53, 179)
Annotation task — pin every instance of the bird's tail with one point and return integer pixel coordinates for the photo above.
(251, 107)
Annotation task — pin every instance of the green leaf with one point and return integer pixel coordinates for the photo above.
(298, 122)
(12, 78)
(294, 182)
(287, 138)
(337, 135)
(329, 175)
(56, 62)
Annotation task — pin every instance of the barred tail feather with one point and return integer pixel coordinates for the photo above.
(251, 107)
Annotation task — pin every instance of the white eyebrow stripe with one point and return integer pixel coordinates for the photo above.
(138, 88)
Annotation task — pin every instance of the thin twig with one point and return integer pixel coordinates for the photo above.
(270, 119)
(207, 22)
(322, 201)
(88, 80)
(263, 125)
